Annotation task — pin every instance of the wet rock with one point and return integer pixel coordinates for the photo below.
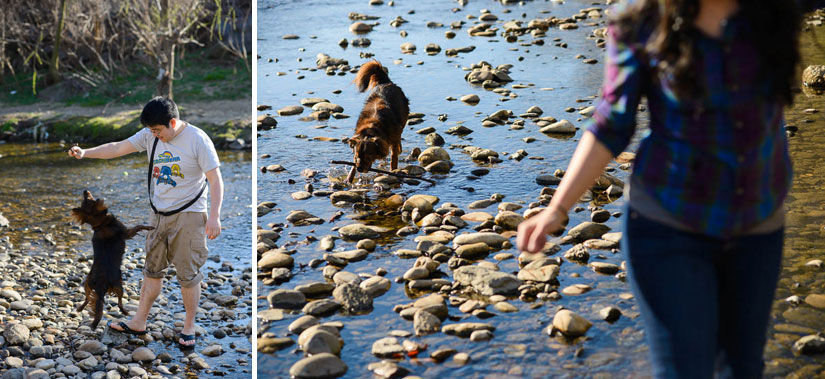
(343, 277)
(271, 314)
(481, 204)
(570, 324)
(16, 334)
(459, 130)
(547, 180)
(286, 299)
(470, 99)
(355, 232)
(477, 217)
(432, 49)
(814, 76)
(487, 282)
(212, 351)
(562, 127)
(376, 286)
(576, 289)
(352, 298)
(319, 339)
(544, 274)
(442, 354)
(387, 369)
(473, 251)
(316, 289)
(610, 314)
(508, 220)
(346, 196)
(506, 307)
(588, 230)
(416, 273)
(465, 329)
(433, 154)
(481, 335)
(816, 300)
(360, 27)
(434, 139)
(424, 203)
(274, 259)
(93, 347)
(811, 344)
(490, 239)
(290, 110)
(425, 323)
(604, 268)
(408, 47)
(352, 255)
(387, 347)
(323, 365)
(143, 354)
(302, 323)
(268, 345)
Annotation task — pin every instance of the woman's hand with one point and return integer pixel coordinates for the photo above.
(532, 233)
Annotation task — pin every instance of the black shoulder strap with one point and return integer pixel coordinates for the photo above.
(149, 186)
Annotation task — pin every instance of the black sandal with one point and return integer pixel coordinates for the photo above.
(126, 329)
(187, 338)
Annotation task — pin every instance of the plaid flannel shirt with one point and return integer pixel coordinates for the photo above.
(718, 163)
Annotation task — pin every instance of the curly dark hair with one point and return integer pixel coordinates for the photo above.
(774, 29)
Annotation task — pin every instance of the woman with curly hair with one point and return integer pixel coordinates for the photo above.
(703, 231)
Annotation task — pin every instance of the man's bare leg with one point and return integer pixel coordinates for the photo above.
(149, 291)
(191, 298)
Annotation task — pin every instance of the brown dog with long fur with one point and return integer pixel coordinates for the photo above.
(109, 245)
(379, 127)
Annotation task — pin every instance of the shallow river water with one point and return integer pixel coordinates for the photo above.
(555, 78)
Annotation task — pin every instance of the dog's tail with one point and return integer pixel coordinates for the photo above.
(370, 75)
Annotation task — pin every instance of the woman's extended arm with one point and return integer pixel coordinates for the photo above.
(587, 164)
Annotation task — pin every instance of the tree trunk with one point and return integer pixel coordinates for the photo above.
(167, 59)
(54, 73)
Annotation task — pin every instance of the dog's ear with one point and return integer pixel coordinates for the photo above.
(99, 205)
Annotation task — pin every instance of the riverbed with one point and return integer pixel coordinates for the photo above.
(552, 75)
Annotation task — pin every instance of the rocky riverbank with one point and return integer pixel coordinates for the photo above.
(43, 336)
(226, 122)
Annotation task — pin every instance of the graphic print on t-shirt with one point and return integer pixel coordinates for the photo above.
(165, 172)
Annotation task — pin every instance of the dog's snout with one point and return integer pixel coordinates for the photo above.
(87, 195)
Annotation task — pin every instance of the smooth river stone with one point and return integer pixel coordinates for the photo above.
(323, 365)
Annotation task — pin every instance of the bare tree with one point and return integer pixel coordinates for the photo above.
(162, 26)
(54, 73)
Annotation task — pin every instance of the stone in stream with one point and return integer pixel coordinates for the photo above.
(319, 308)
(481, 204)
(310, 101)
(561, 127)
(316, 289)
(388, 369)
(477, 217)
(470, 99)
(548, 180)
(816, 300)
(610, 314)
(355, 232)
(268, 345)
(360, 27)
(481, 335)
(274, 259)
(212, 351)
(271, 314)
(809, 345)
(604, 268)
(588, 230)
(487, 282)
(433, 154)
(376, 286)
(352, 298)
(424, 203)
(438, 167)
(425, 323)
(346, 196)
(143, 354)
(290, 110)
(542, 274)
(576, 289)
(473, 251)
(387, 347)
(351, 255)
(346, 277)
(302, 323)
(318, 339)
(814, 76)
(318, 366)
(491, 239)
(508, 220)
(465, 329)
(434, 139)
(286, 299)
(415, 273)
(327, 243)
(570, 324)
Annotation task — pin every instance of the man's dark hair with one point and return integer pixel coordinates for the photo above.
(159, 111)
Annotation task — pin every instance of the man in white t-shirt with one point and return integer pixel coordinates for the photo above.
(183, 162)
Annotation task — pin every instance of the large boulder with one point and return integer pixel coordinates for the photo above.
(486, 281)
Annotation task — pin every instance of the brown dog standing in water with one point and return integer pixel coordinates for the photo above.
(109, 245)
(381, 122)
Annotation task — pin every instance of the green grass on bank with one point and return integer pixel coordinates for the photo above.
(199, 78)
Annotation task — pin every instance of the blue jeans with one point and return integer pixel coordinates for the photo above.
(705, 302)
